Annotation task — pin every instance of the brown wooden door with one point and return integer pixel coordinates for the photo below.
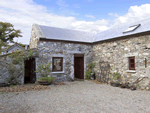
(79, 66)
(30, 75)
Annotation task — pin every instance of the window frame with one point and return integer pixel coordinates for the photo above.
(131, 68)
(53, 70)
(132, 28)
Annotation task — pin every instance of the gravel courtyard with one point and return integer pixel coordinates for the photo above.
(77, 97)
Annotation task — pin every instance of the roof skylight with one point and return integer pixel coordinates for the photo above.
(132, 28)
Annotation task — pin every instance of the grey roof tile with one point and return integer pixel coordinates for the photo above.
(81, 36)
(118, 31)
(66, 34)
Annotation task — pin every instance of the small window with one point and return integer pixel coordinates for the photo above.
(132, 28)
(131, 63)
(57, 64)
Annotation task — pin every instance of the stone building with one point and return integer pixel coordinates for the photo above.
(68, 51)
(14, 47)
(126, 48)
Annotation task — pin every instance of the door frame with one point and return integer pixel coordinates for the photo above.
(79, 55)
(31, 81)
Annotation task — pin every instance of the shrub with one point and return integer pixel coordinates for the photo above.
(44, 69)
(89, 70)
(115, 76)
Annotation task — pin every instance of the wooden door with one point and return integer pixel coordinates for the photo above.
(33, 74)
(30, 75)
(79, 66)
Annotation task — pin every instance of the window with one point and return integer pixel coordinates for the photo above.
(132, 28)
(57, 64)
(131, 63)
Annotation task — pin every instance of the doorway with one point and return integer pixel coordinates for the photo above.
(30, 75)
(79, 66)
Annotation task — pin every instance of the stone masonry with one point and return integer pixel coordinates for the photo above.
(49, 49)
(116, 53)
(5, 71)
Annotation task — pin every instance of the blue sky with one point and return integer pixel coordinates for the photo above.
(97, 8)
(85, 15)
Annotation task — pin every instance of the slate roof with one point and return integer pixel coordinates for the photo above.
(21, 46)
(118, 31)
(81, 36)
(66, 34)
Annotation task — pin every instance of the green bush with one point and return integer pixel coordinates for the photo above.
(88, 74)
(115, 76)
(89, 70)
(44, 69)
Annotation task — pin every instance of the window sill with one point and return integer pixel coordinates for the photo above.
(58, 72)
(131, 71)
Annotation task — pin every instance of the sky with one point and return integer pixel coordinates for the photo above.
(84, 15)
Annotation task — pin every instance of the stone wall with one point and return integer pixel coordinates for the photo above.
(5, 71)
(33, 39)
(5, 60)
(49, 49)
(116, 53)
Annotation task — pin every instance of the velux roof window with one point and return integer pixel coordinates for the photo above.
(132, 28)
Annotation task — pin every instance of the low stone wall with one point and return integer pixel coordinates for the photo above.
(5, 72)
(116, 53)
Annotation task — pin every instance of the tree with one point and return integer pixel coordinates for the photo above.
(7, 34)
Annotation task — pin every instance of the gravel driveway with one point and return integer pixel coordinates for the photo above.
(77, 97)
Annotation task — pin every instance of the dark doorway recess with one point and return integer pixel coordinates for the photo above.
(30, 75)
(79, 66)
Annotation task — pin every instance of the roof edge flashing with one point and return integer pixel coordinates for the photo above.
(44, 38)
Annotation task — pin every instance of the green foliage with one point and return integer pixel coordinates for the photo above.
(7, 34)
(30, 53)
(15, 64)
(44, 69)
(91, 65)
(88, 74)
(89, 70)
(4, 45)
(12, 80)
(114, 76)
(18, 57)
(49, 79)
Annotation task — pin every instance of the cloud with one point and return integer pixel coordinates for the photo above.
(91, 26)
(90, 16)
(23, 13)
(113, 14)
(62, 4)
(135, 13)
